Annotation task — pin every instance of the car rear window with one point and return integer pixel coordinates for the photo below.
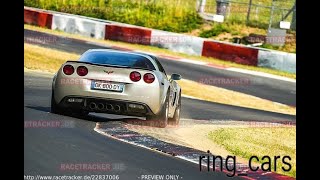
(117, 59)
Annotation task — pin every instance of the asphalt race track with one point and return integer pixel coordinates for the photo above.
(266, 88)
(46, 149)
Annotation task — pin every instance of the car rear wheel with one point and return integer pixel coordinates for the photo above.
(176, 117)
(161, 119)
(54, 106)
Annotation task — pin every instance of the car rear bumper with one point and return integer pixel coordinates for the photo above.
(148, 94)
(103, 105)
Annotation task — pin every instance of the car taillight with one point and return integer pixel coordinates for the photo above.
(82, 71)
(148, 78)
(68, 69)
(135, 76)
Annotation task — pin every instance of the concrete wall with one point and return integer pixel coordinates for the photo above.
(177, 42)
(41, 19)
(235, 53)
(128, 34)
(75, 25)
(277, 60)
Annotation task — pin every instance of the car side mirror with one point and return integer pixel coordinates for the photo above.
(175, 76)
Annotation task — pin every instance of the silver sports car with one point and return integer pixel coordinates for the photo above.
(117, 82)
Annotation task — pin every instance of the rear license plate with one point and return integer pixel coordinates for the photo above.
(106, 86)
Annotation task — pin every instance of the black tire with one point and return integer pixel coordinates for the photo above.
(175, 120)
(54, 106)
(161, 119)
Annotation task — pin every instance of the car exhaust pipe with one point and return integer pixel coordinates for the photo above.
(109, 107)
(93, 105)
(100, 106)
(117, 108)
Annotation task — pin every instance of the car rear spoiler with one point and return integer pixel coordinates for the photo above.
(109, 65)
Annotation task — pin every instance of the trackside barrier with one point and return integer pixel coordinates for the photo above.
(76, 25)
(41, 19)
(128, 34)
(234, 53)
(191, 45)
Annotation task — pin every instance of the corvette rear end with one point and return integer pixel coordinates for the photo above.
(128, 84)
(111, 83)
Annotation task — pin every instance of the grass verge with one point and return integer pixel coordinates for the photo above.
(45, 59)
(36, 57)
(248, 142)
(156, 50)
(237, 138)
(225, 96)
